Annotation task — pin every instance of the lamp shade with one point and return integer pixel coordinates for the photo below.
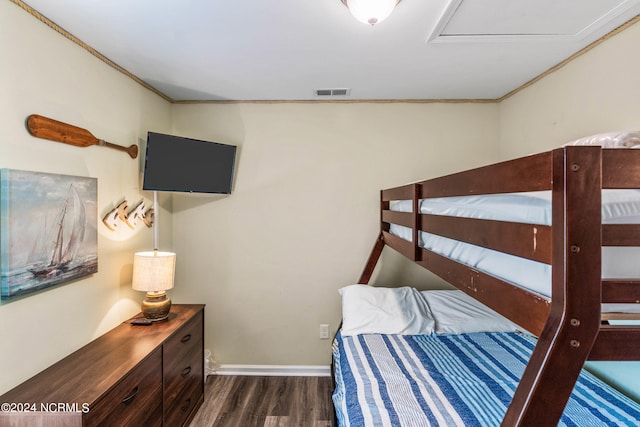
(370, 11)
(153, 271)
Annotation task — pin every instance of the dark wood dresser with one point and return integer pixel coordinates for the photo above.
(131, 376)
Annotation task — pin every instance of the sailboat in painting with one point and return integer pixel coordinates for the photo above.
(69, 233)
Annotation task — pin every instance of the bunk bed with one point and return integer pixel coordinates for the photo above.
(566, 315)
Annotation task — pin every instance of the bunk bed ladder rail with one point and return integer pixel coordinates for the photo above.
(411, 219)
(574, 320)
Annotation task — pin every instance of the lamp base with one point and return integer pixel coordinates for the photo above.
(156, 306)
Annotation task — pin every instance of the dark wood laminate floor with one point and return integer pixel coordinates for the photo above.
(251, 401)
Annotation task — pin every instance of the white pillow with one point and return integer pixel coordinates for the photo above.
(610, 140)
(373, 310)
(457, 313)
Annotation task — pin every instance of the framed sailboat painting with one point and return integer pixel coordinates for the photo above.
(48, 230)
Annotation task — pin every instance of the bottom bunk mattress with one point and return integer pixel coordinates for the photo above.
(452, 380)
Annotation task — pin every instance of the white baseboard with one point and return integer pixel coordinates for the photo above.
(275, 370)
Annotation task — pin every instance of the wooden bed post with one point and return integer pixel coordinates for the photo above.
(365, 277)
(372, 261)
(574, 319)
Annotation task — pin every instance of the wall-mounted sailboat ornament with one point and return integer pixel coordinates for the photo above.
(132, 218)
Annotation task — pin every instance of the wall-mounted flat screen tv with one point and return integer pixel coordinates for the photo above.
(174, 163)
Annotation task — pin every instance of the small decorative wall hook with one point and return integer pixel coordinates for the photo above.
(111, 219)
(137, 214)
(148, 217)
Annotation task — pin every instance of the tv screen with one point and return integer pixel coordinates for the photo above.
(174, 163)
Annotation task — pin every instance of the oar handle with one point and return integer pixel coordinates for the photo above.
(132, 150)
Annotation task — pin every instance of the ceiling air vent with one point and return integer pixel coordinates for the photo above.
(332, 92)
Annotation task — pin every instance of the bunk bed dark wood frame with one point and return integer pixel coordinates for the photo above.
(569, 326)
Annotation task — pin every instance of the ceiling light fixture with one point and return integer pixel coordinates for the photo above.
(370, 11)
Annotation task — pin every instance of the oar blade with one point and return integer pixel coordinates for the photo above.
(46, 128)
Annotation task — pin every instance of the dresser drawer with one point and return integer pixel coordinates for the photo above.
(183, 405)
(185, 340)
(134, 401)
(180, 374)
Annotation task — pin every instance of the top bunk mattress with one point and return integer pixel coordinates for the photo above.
(618, 207)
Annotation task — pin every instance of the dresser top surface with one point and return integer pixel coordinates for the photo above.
(92, 370)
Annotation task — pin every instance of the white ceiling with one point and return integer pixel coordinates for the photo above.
(285, 49)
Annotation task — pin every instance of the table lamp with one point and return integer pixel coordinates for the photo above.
(153, 273)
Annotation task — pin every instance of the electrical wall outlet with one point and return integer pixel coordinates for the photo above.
(324, 332)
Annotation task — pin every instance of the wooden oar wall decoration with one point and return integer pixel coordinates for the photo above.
(46, 128)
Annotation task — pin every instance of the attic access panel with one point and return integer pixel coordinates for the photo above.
(504, 20)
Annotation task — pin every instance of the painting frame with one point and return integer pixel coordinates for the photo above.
(48, 230)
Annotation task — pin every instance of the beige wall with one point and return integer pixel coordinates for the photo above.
(268, 259)
(598, 92)
(44, 73)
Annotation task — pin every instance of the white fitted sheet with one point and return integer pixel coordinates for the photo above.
(618, 207)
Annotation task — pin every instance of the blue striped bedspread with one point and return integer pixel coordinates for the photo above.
(452, 380)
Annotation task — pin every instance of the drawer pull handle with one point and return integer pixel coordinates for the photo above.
(186, 371)
(186, 338)
(129, 398)
(186, 406)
